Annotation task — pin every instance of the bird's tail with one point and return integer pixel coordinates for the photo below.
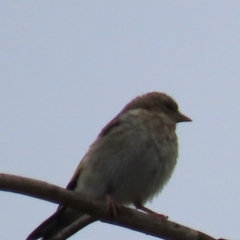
(60, 220)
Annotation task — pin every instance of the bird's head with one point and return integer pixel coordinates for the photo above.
(158, 102)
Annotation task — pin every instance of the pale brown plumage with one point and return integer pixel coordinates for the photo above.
(131, 160)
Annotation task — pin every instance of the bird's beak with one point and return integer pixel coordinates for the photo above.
(183, 118)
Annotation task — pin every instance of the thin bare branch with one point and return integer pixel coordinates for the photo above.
(128, 218)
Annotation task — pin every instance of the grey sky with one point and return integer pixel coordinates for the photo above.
(67, 67)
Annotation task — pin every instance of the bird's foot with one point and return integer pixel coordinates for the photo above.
(113, 207)
(147, 210)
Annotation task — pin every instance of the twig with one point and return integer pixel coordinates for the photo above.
(128, 218)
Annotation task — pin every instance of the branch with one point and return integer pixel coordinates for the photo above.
(129, 218)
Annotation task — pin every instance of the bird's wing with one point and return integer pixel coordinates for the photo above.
(50, 225)
(112, 124)
(73, 181)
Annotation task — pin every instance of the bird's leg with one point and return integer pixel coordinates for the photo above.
(144, 209)
(112, 206)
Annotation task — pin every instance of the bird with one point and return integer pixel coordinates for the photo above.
(129, 163)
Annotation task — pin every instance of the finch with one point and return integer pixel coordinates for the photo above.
(129, 163)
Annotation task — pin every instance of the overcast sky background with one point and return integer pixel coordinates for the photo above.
(68, 67)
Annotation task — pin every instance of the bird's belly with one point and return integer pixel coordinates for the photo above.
(145, 181)
(136, 172)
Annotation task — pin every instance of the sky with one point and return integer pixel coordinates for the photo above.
(68, 67)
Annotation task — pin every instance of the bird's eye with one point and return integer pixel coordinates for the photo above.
(169, 106)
